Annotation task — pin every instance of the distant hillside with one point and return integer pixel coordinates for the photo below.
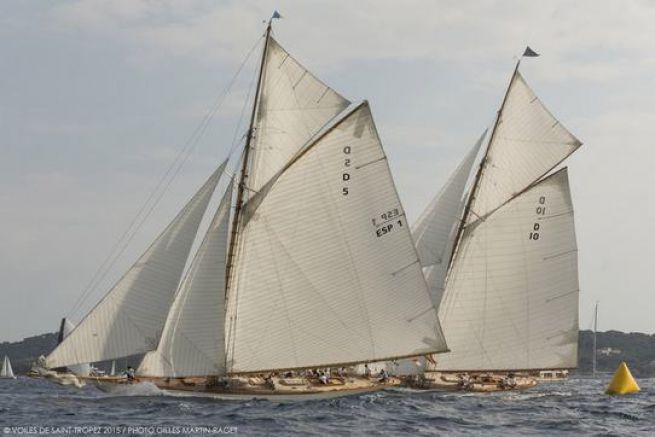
(637, 349)
(23, 353)
(613, 347)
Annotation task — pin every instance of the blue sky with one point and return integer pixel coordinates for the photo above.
(99, 96)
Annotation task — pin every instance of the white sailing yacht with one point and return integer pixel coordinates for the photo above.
(501, 261)
(6, 372)
(313, 266)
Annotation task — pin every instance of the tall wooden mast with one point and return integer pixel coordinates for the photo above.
(478, 175)
(241, 186)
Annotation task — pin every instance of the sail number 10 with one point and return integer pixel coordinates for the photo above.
(541, 211)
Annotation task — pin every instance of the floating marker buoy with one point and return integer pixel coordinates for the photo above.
(622, 382)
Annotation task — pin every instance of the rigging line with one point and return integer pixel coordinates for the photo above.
(187, 148)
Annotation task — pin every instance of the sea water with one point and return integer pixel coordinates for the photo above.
(575, 407)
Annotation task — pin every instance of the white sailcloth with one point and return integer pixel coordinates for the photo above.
(130, 318)
(511, 301)
(327, 272)
(436, 229)
(193, 342)
(6, 372)
(527, 144)
(82, 369)
(293, 106)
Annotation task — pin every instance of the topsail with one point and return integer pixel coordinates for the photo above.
(293, 106)
(527, 143)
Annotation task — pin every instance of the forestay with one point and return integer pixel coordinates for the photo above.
(130, 318)
(527, 144)
(293, 106)
(436, 229)
(193, 342)
(511, 301)
(327, 272)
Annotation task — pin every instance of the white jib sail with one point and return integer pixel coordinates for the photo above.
(511, 300)
(6, 371)
(130, 318)
(527, 144)
(327, 272)
(436, 229)
(293, 106)
(193, 341)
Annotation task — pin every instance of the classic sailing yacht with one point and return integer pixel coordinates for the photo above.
(501, 262)
(6, 372)
(314, 267)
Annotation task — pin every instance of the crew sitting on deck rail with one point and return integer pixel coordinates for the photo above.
(367, 371)
(383, 375)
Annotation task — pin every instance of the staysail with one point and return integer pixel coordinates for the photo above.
(511, 300)
(293, 106)
(6, 371)
(434, 232)
(327, 272)
(526, 144)
(66, 328)
(130, 318)
(193, 342)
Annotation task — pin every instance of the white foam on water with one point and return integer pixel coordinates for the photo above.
(138, 389)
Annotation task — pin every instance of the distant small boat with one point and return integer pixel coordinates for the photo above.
(6, 372)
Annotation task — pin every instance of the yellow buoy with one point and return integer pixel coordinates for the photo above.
(623, 382)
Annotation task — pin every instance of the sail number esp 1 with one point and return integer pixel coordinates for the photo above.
(387, 222)
(540, 209)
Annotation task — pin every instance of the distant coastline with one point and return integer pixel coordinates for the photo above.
(636, 348)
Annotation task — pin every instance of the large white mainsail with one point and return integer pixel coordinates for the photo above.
(512, 296)
(434, 232)
(327, 272)
(6, 372)
(130, 318)
(293, 105)
(193, 341)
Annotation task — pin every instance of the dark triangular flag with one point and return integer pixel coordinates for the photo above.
(276, 14)
(529, 53)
